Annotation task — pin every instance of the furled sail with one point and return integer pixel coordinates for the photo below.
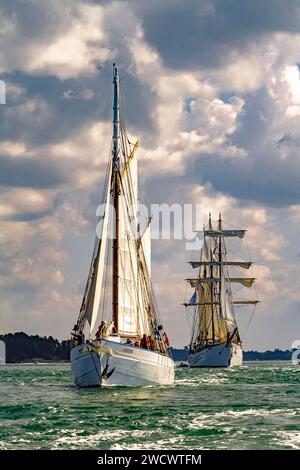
(245, 281)
(240, 264)
(205, 280)
(225, 233)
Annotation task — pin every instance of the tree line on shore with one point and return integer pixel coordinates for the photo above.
(21, 347)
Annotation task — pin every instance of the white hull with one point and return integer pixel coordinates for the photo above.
(115, 363)
(219, 355)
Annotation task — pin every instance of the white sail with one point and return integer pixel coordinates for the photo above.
(127, 270)
(101, 260)
(226, 301)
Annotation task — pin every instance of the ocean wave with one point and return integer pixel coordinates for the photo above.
(288, 438)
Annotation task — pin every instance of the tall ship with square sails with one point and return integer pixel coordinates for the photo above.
(215, 339)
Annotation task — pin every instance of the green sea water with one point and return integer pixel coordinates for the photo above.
(256, 406)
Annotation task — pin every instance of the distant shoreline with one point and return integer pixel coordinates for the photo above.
(49, 362)
(23, 348)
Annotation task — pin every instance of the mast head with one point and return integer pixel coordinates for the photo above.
(115, 71)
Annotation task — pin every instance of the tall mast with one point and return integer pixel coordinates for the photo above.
(116, 194)
(220, 268)
(212, 287)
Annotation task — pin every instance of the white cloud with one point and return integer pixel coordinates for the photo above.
(84, 94)
(77, 47)
(26, 200)
(243, 73)
(12, 148)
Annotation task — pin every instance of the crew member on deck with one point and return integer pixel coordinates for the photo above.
(101, 329)
(77, 335)
(150, 342)
(144, 342)
(166, 339)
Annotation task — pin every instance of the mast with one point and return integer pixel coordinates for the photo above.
(116, 194)
(212, 288)
(220, 268)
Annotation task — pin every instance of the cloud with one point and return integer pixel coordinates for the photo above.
(29, 173)
(213, 33)
(71, 29)
(25, 200)
(85, 94)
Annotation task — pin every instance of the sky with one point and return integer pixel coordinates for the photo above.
(210, 87)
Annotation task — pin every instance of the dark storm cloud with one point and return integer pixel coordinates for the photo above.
(27, 216)
(263, 181)
(208, 33)
(36, 19)
(54, 117)
(30, 173)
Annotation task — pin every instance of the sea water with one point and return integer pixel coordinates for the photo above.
(256, 406)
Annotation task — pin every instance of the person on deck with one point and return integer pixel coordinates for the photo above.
(144, 342)
(102, 326)
(77, 335)
(150, 342)
(166, 339)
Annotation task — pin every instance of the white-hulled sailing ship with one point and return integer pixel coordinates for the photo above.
(215, 340)
(131, 346)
